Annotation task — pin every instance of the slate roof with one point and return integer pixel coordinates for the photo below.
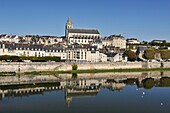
(140, 49)
(84, 31)
(110, 54)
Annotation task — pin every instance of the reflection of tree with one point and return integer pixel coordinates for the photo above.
(148, 83)
(130, 81)
(74, 75)
(164, 82)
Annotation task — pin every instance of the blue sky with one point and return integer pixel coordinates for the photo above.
(142, 19)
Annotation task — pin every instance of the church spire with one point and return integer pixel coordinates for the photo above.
(69, 20)
(69, 23)
(68, 26)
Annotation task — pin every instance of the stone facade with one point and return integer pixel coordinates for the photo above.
(47, 66)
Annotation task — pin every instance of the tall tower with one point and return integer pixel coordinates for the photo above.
(68, 26)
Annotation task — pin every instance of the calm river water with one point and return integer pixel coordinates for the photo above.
(120, 94)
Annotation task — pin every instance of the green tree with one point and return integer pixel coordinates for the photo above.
(131, 55)
(74, 66)
(149, 53)
(165, 54)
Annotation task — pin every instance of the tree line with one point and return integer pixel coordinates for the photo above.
(31, 58)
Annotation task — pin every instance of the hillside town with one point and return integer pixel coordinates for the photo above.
(85, 45)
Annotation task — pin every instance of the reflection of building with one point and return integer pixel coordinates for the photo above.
(12, 91)
(81, 88)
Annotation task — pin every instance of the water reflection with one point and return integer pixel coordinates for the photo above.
(77, 85)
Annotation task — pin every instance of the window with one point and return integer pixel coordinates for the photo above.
(27, 53)
(35, 54)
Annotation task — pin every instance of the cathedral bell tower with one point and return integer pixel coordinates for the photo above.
(68, 26)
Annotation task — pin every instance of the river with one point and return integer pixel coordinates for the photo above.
(86, 93)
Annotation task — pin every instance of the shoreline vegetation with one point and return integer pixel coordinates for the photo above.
(83, 71)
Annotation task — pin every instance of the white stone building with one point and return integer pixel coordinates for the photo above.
(80, 36)
(115, 40)
(132, 41)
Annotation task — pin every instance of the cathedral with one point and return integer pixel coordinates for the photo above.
(80, 35)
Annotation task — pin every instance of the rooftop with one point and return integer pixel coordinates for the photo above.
(84, 31)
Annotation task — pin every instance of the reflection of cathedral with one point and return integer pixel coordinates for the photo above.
(81, 88)
(80, 36)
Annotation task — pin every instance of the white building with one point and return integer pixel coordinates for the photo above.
(85, 54)
(115, 40)
(132, 41)
(80, 36)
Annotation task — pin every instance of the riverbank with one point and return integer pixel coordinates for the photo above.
(65, 67)
(83, 71)
(94, 71)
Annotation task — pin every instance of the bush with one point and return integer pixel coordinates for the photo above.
(149, 53)
(74, 66)
(165, 54)
(131, 55)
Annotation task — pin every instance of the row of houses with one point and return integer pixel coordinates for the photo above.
(34, 39)
(74, 52)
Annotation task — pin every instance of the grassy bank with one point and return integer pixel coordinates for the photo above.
(7, 73)
(93, 71)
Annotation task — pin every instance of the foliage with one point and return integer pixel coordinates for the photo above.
(131, 55)
(165, 54)
(149, 53)
(5, 57)
(7, 73)
(32, 58)
(148, 83)
(74, 66)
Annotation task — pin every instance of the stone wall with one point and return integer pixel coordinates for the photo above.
(47, 66)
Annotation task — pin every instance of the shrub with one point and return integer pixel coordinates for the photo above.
(165, 54)
(74, 66)
(149, 53)
(131, 55)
